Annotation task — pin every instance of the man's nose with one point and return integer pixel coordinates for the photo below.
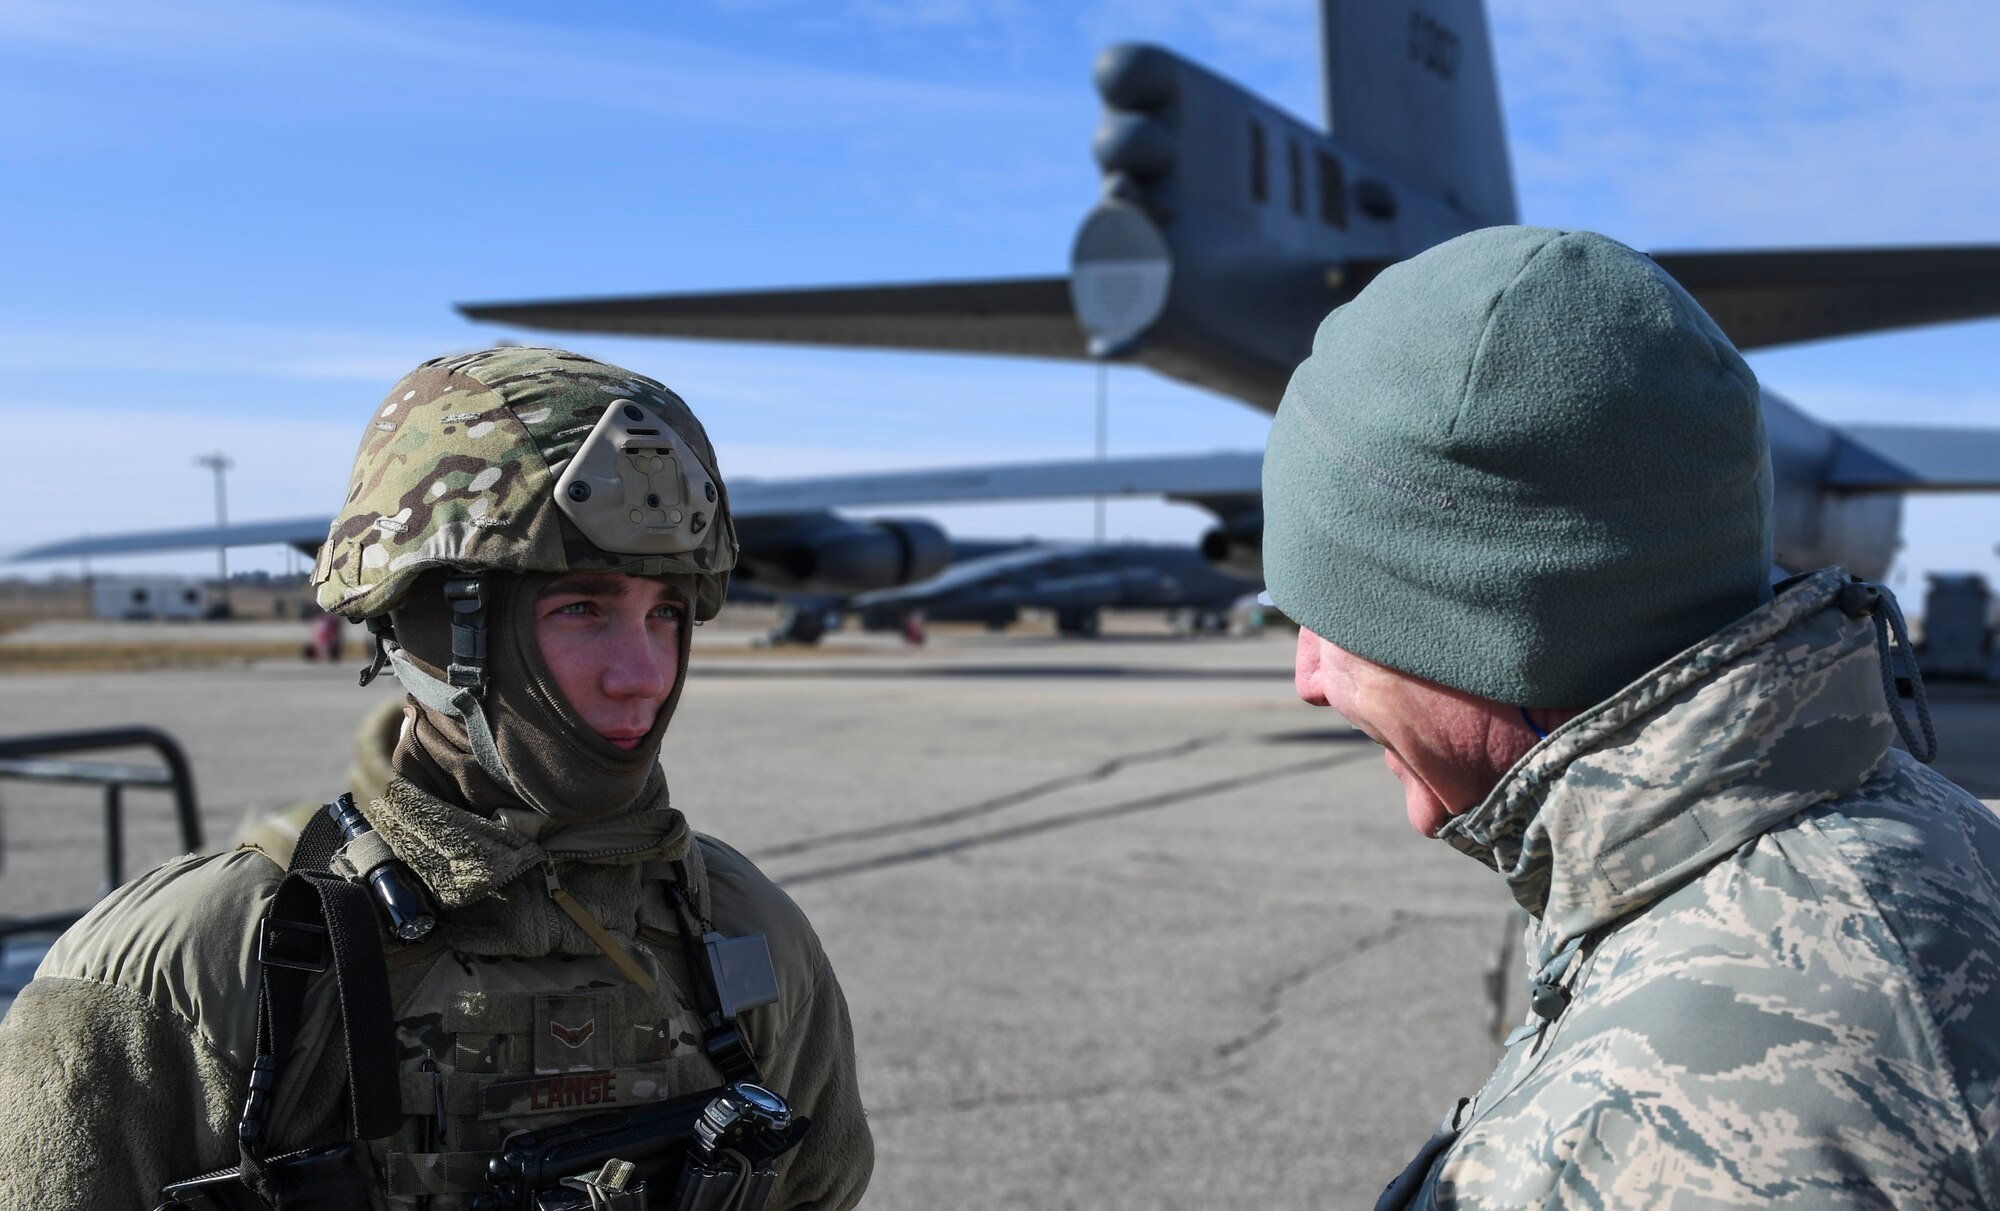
(1305, 669)
(640, 667)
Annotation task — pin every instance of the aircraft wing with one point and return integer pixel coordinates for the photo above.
(1181, 476)
(1224, 474)
(1019, 316)
(304, 533)
(1771, 298)
(1758, 297)
(1915, 458)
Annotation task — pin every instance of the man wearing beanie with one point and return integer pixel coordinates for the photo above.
(1518, 500)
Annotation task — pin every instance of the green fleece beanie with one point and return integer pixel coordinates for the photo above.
(1523, 464)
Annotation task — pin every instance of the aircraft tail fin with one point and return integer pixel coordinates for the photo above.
(1412, 84)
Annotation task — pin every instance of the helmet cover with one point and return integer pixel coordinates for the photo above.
(524, 459)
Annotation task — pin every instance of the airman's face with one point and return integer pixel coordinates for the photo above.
(613, 644)
(1447, 748)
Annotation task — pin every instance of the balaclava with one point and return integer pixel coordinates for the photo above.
(552, 761)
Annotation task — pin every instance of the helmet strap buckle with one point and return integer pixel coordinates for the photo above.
(467, 597)
(384, 634)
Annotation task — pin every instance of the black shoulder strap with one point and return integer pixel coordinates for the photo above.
(723, 1040)
(316, 921)
(318, 841)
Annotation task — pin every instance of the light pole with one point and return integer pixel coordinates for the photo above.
(1103, 433)
(220, 463)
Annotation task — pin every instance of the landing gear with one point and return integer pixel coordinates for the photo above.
(1078, 623)
(802, 623)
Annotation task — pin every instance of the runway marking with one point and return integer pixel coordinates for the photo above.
(970, 811)
(1088, 815)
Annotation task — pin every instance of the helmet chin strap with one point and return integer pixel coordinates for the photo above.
(458, 702)
(461, 696)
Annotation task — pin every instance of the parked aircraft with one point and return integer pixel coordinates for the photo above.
(1228, 228)
(992, 581)
(1074, 581)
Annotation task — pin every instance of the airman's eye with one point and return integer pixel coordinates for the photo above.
(671, 613)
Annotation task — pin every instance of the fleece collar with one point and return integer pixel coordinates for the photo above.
(1773, 714)
(489, 877)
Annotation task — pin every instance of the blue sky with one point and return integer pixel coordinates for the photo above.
(232, 225)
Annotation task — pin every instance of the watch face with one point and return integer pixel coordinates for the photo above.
(762, 1099)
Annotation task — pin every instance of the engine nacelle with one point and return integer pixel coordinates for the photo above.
(844, 558)
(1237, 546)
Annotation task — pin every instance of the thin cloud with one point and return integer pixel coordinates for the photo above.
(1719, 121)
(473, 60)
(182, 347)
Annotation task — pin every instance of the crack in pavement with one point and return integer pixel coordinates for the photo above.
(1225, 1062)
(1098, 773)
(1274, 995)
(1087, 815)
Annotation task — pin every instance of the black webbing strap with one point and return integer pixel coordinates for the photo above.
(318, 841)
(318, 921)
(723, 1040)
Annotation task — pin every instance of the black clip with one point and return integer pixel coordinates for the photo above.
(467, 596)
(257, 1104)
(730, 1052)
(287, 947)
(382, 630)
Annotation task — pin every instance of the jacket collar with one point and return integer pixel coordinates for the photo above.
(494, 879)
(1775, 713)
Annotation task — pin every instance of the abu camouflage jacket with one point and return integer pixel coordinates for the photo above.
(1769, 945)
(123, 1064)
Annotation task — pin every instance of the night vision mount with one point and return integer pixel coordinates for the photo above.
(635, 488)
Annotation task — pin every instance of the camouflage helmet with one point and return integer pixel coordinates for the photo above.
(527, 460)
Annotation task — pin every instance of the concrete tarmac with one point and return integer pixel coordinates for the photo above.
(1121, 924)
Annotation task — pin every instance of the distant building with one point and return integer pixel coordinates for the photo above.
(141, 598)
(1958, 628)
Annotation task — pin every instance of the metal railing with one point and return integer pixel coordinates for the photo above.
(44, 758)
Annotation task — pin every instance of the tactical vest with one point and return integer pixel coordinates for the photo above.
(490, 1046)
(486, 1046)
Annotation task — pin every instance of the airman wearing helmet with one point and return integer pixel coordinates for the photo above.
(530, 536)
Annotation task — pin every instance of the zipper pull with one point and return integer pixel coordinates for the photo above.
(606, 944)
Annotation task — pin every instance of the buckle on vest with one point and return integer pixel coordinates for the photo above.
(294, 944)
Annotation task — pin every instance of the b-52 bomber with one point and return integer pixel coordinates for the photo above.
(1228, 228)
